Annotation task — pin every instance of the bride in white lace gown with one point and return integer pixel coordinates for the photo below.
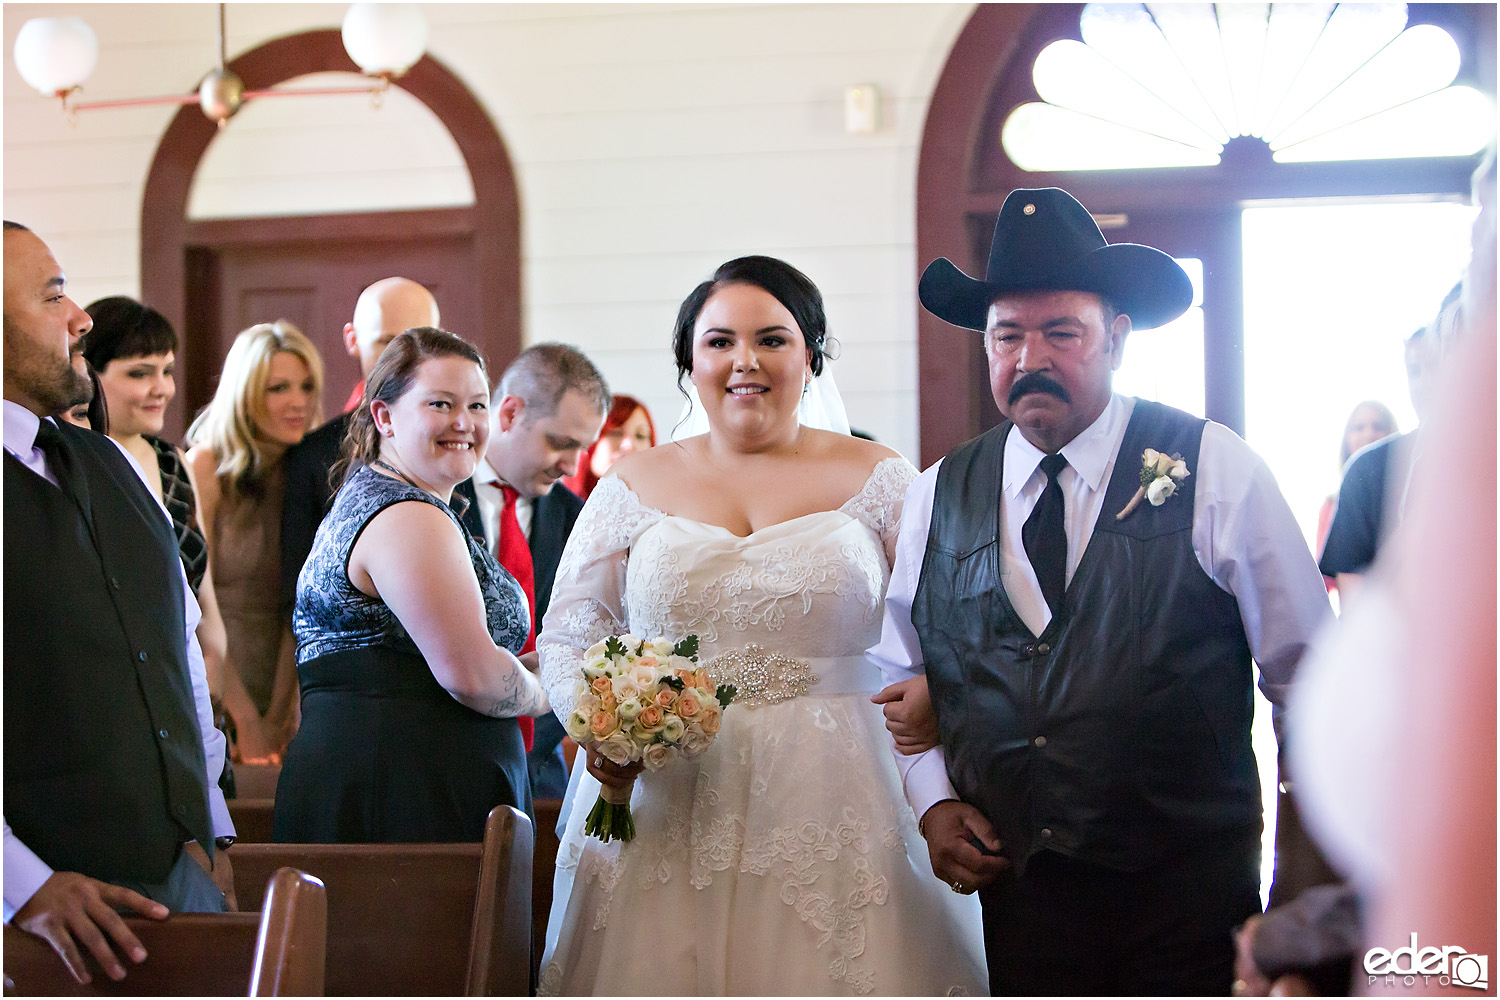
(785, 860)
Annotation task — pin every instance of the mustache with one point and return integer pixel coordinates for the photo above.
(1036, 382)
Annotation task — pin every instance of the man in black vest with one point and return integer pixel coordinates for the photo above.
(109, 737)
(1085, 586)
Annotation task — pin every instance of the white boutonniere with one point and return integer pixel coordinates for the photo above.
(1160, 474)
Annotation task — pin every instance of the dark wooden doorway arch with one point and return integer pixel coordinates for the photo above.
(489, 231)
(963, 176)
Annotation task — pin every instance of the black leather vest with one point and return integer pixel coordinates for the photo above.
(104, 766)
(1122, 732)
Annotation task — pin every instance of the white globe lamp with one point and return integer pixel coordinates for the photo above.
(385, 39)
(55, 54)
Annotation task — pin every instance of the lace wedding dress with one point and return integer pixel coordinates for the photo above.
(784, 860)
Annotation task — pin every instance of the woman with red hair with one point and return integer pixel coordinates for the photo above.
(628, 428)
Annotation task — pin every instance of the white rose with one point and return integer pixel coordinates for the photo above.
(662, 647)
(627, 710)
(656, 755)
(695, 741)
(596, 651)
(630, 642)
(672, 728)
(577, 726)
(1150, 456)
(625, 689)
(1160, 489)
(1164, 464)
(643, 677)
(1179, 470)
(587, 703)
(619, 748)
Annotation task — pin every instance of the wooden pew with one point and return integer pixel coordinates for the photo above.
(413, 919)
(277, 952)
(256, 781)
(543, 867)
(252, 819)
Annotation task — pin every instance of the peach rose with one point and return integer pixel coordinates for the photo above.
(650, 717)
(709, 719)
(688, 705)
(602, 685)
(665, 697)
(601, 724)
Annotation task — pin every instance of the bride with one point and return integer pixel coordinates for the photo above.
(784, 860)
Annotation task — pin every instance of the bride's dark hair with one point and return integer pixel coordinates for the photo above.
(782, 281)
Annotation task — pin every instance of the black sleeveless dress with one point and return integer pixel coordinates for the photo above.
(384, 754)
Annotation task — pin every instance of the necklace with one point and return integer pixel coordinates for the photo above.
(463, 505)
(388, 467)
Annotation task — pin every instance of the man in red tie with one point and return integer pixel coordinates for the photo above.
(548, 408)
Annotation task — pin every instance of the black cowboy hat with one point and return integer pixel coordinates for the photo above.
(1046, 241)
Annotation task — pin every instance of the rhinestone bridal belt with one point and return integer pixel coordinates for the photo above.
(766, 677)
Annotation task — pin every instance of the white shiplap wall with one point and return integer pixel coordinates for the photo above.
(651, 143)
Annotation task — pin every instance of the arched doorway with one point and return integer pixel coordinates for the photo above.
(964, 174)
(482, 241)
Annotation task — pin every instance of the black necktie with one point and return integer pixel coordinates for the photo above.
(59, 459)
(1043, 535)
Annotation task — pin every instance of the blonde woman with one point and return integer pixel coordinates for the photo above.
(267, 400)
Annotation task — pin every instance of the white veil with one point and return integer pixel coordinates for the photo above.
(822, 407)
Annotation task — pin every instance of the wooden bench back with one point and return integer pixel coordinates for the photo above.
(277, 952)
(414, 919)
(252, 819)
(543, 868)
(256, 781)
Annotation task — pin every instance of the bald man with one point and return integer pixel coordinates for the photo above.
(384, 310)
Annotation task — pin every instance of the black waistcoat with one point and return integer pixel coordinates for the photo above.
(104, 766)
(1122, 732)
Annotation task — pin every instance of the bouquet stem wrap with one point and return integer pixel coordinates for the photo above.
(610, 818)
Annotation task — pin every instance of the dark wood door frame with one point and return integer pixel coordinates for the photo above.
(494, 219)
(963, 177)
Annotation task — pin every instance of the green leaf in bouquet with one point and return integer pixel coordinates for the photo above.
(688, 647)
(675, 683)
(614, 647)
(725, 694)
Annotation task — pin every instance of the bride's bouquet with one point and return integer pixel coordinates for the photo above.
(643, 700)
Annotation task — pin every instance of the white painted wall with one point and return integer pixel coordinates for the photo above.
(651, 143)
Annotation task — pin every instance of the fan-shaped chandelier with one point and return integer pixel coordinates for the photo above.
(1169, 85)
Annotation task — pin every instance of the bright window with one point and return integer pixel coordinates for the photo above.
(1168, 85)
(1166, 364)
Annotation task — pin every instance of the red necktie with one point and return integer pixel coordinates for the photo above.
(514, 553)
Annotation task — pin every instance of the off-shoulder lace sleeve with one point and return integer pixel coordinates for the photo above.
(588, 597)
(878, 503)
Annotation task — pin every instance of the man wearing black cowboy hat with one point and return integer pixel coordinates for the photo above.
(1085, 586)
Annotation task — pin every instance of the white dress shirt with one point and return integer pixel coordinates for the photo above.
(1244, 536)
(24, 871)
(492, 502)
